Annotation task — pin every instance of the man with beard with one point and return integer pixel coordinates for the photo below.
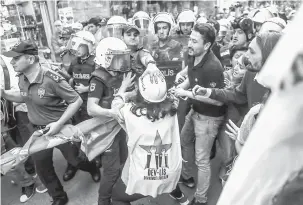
(249, 91)
(165, 48)
(203, 121)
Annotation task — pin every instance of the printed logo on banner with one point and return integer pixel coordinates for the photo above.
(156, 159)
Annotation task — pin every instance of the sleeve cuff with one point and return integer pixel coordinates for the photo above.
(208, 93)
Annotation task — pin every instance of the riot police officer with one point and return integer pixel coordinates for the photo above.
(165, 48)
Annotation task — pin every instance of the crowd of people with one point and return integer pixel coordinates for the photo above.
(111, 68)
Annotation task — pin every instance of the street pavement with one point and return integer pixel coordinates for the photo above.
(81, 190)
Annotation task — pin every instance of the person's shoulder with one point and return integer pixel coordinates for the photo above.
(91, 60)
(96, 80)
(52, 75)
(74, 61)
(214, 63)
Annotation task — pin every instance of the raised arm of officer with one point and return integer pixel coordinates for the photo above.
(151, 68)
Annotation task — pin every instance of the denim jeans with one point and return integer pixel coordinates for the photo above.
(197, 138)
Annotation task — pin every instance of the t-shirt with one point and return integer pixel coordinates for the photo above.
(47, 97)
(209, 74)
(154, 162)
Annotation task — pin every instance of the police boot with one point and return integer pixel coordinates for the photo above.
(70, 172)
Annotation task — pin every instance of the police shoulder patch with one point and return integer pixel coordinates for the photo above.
(55, 77)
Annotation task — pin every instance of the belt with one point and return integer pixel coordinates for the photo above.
(39, 127)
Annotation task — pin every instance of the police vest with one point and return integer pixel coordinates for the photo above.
(136, 64)
(112, 85)
(81, 72)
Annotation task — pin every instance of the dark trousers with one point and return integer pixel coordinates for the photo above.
(111, 163)
(45, 168)
(23, 134)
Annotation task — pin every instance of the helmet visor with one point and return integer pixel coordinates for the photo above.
(120, 63)
(142, 23)
(115, 31)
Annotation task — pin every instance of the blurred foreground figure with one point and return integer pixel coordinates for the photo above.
(273, 173)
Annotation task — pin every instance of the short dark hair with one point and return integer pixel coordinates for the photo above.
(207, 31)
(95, 21)
(234, 49)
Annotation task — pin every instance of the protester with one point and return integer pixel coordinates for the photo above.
(243, 34)
(148, 151)
(273, 24)
(94, 26)
(204, 69)
(51, 113)
(249, 91)
(58, 44)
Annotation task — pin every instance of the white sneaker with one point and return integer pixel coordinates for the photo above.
(27, 193)
(182, 200)
(41, 189)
